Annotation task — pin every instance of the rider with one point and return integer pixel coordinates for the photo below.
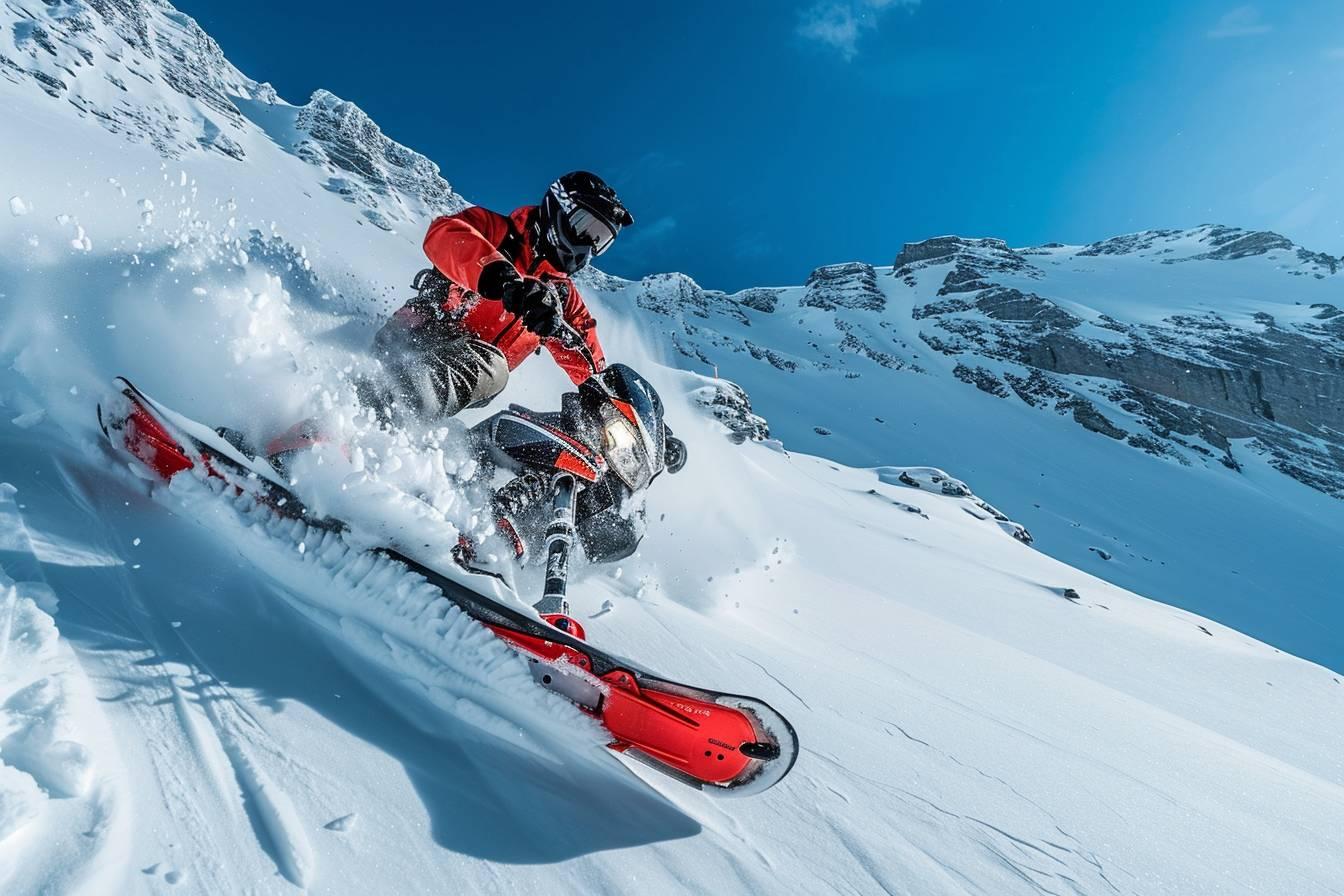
(499, 289)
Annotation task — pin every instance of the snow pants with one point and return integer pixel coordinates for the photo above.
(433, 369)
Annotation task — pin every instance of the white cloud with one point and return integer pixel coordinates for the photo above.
(1334, 53)
(840, 23)
(1244, 21)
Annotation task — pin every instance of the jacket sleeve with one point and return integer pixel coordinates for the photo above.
(461, 245)
(583, 363)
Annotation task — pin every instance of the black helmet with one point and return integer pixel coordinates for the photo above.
(578, 218)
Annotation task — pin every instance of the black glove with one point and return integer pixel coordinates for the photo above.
(674, 454)
(545, 319)
(537, 303)
(498, 279)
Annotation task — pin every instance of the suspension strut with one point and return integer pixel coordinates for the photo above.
(559, 543)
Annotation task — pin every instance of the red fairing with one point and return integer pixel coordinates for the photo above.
(696, 737)
(462, 245)
(147, 440)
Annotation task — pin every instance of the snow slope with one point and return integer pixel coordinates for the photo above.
(219, 714)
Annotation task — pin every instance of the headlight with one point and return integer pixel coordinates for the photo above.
(622, 448)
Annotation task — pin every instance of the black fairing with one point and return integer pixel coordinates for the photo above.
(608, 514)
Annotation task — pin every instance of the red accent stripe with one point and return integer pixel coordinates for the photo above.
(627, 409)
(571, 463)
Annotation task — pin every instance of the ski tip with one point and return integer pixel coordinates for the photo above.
(773, 754)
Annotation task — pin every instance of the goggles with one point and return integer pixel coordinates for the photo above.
(588, 230)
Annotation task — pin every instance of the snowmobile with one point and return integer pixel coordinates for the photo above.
(595, 457)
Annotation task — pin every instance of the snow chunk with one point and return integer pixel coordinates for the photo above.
(18, 207)
(30, 419)
(342, 824)
(81, 240)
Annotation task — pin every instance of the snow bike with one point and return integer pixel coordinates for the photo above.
(720, 743)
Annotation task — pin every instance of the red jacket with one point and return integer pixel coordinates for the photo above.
(461, 245)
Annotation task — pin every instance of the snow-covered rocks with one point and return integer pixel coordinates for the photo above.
(1192, 380)
(728, 403)
(939, 482)
(852, 285)
(366, 167)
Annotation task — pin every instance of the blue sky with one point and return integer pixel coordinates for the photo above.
(757, 139)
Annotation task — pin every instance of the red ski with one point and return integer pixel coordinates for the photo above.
(720, 743)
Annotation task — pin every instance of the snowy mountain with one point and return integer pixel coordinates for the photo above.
(191, 703)
(1163, 410)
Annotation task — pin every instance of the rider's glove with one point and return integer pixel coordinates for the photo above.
(545, 319)
(498, 279)
(537, 303)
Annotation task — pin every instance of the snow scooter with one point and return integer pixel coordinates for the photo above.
(721, 743)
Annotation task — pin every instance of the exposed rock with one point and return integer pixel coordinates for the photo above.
(1130, 242)
(1036, 389)
(1231, 243)
(74, 50)
(982, 379)
(944, 249)
(935, 309)
(857, 344)
(850, 285)
(976, 260)
(172, 87)
(729, 404)
(1087, 415)
(342, 138)
(776, 360)
(765, 300)
(934, 479)
(1326, 263)
(677, 295)
(963, 278)
(1013, 305)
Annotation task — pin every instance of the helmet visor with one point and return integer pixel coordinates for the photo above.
(589, 230)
